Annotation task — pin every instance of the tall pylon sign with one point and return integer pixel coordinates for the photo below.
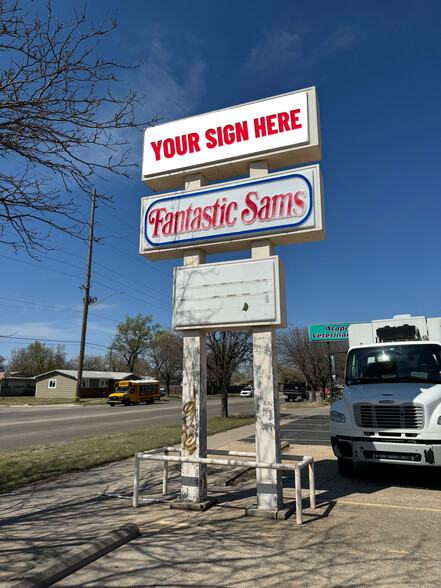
(198, 212)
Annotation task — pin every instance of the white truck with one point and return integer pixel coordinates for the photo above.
(390, 411)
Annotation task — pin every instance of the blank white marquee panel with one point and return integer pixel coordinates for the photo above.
(230, 295)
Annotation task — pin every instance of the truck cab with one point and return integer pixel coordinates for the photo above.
(295, 391)
(390, 411)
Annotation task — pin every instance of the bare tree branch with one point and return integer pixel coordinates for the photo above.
(227, 350)
(61, 121)
(295, 350)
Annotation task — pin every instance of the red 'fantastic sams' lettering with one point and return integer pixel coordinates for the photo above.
(222, 213)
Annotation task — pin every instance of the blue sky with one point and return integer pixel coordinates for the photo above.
(376, 68)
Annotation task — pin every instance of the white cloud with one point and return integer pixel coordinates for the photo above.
(99, 327)
(277, 48)
(174, 75)
(36, 330)
(342, 39)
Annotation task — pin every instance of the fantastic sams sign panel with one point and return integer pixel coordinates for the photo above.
(284, 130)
(286, 207)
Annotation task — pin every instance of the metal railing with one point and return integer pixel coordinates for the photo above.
(163, 454)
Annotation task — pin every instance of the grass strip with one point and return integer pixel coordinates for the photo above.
(19, 467)
(32, 401)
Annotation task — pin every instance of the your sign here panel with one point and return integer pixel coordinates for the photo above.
(286, 207)
(229, 295)
(283, 129)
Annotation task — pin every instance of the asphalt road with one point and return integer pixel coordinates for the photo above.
(307, 430)
(24, 426)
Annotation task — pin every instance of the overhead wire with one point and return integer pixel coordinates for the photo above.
(100, 223)
(57, 341)
(109, 269)
(41, 306)
(80, 278)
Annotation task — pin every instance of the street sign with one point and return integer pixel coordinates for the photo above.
(329, 332)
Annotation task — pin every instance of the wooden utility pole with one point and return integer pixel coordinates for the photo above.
(87, 301)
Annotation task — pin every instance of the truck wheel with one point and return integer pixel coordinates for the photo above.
(287, 399)
(127, 402)
(111, 403)
(345, 467)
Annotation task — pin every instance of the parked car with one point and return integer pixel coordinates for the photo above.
(247, 392)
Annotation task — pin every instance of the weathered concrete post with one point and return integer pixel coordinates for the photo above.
(194, 394)
(266, 392)
(194, 417)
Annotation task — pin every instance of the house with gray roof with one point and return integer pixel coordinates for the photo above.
(63, 383)
(16, 384)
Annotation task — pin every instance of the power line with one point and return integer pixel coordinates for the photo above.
(87, 199)
(58, 341)
(137, 259)
(41, 266)
(80, 278)
(116, 281)
(41, 306)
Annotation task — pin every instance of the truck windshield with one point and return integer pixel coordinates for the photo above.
(394, 363)
(122, 389)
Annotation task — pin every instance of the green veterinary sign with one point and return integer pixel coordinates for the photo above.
(329, 332)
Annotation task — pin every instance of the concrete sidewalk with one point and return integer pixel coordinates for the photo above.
(380, 529)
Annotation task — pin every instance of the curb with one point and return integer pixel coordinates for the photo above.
(58, 568)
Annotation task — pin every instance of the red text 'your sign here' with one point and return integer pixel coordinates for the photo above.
(228, 134)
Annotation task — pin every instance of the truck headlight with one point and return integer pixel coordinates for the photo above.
(337, 417)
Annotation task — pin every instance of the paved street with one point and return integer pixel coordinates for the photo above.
(378, 529)
(307, 430)
(24, 426)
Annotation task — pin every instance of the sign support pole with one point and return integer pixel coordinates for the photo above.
(266, 394)
(194, 398)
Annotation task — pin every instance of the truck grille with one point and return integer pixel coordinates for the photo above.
(405, 416)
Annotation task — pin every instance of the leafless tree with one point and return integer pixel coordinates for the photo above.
(295, 350)
(61, 120)
(226, 351)
(166, 355)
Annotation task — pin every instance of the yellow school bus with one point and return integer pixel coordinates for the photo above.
(134, 391)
